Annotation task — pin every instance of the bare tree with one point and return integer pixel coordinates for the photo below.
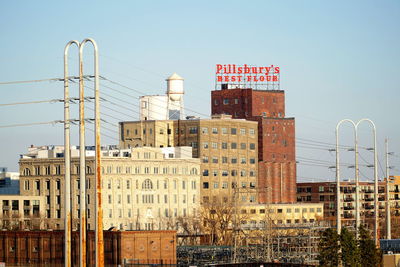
(220, 218)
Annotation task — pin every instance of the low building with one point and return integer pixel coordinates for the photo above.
(282, 214)
(22, 212)
(142, 188)
(325, 192)
(120, 247)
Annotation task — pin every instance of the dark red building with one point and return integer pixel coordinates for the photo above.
(276, 133)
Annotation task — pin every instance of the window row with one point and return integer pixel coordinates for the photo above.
(233, 160)
(224, 185)
(242, 173)
(150, 199)
(43, 170)
(151, 185)
(165, 213)
(232, 145)
(36, 185)
(243, 198)
(149, 170)
(224, 130)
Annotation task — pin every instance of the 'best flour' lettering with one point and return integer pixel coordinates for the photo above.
(237, 74)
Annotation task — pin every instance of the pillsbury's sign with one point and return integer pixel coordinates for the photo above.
(229, 76)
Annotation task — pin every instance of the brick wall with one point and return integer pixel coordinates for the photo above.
(47, 247)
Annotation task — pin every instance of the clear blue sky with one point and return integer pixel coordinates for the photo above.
(338, 59)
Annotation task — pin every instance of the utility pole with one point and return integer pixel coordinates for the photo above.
(82, 165)
(388, 222)
(67, 163)
(99, 241)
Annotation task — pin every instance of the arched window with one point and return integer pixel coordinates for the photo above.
(147, 184)
(193, 171)
(27, 172)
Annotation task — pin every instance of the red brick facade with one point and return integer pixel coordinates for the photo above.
(276, 138)
(27, 248)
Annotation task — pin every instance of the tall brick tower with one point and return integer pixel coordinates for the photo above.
(276, 135)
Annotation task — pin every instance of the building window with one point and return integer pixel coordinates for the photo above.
(224, 130)
(233, 131)
(252, 146)
(205, 185)
(183, 184)
(252, 160)
(27, 172)
(204, 130)
(193, 144)
(233, 160)
(215, 185)
(47, 170)
(214, 145)
(224, 160)
(233, 145)
(215, 173)
(226, 101)
(225, 173)
(147, 184)
(26, 185)
(205, 159)
(205, 145)
(215, 130)
(205, 172)
(193, 171)
(37, 170)
(193, 130)
(224, 145)
(214, 160)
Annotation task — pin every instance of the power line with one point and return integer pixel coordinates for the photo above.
(31, 124)
(70, 78)
(32, 102)
(33, 81)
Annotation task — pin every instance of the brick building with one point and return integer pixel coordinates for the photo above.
(22, 248)
(325, 192)
(276, 137)
(226, 147)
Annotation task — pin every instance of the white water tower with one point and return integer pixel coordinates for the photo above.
(175, 97)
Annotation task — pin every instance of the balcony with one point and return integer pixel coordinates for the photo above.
(347, 191)
(348, 208)
(348, 216)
